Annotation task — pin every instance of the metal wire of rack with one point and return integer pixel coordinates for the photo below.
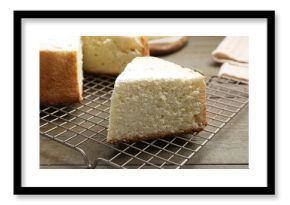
(78, 125)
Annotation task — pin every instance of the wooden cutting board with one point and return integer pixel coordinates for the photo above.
(166, 45)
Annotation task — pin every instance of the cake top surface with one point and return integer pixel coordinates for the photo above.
(60, 43)
(152, 68)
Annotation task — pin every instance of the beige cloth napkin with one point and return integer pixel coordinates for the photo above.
(233, 52)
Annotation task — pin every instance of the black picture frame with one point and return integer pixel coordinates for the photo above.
(268, 190)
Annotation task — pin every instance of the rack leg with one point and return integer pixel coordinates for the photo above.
(85, 158)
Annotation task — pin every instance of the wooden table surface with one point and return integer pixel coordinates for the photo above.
(228, 149)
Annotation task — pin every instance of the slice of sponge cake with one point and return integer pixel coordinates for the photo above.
(154, 98)
(111, 54)
(61, 72)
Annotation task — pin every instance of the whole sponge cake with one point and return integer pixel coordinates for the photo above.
(154, 98)
(61, 71)
(111, 54)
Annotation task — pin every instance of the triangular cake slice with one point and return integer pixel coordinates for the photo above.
(153, 98)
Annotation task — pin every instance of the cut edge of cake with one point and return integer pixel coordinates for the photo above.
(122, 49)
(129, 76)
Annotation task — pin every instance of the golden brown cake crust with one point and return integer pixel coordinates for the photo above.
(58, 78)
(146, 51)
(201, 118)
(153, 136)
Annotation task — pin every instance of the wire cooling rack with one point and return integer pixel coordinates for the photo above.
(83, 126)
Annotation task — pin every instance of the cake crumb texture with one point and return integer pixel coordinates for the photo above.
(146, 104)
